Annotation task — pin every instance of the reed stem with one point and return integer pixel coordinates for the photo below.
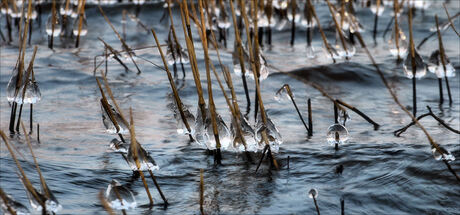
(323, 36)
(310, 119)
(412, 55)
(442, 53)
(201, 192)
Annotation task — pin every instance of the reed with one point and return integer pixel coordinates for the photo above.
(310, 119)
(27, 184)
(117, 194)
(396, 26)
(134, 144)
(176, 41)
(450, 20)
(342, 206)
(442, 53)
(4, 197)
(376, 21)
(115, 54)
(123, 43)
(201, 192)
(434, 33)
(338, 28)
(239, 47)
(396, 100)
(430, 113)
(412, 55)
(38, 133)
(81, 12)
(323, 36)
(105, 204)
(255, 68)
(173, 87)
(291, 96)
(293, 8)
(53, 23)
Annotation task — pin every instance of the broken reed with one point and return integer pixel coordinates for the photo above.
(123, 43)
(176, 41)
(291, 96)
(449, 19)
(395, 98)
(81, 15)
(442, 54)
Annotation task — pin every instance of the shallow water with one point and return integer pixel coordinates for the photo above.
(382, 174)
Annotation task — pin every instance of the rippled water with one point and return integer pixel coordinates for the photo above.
(382, 174)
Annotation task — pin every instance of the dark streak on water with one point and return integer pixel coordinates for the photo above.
(382, 174)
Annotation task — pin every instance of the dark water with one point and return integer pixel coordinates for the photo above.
(382, 174)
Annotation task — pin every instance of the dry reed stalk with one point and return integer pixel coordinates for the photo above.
(81, 11)
(288, 89)
(396, 26)
(338, 28)
(24, 179)
(23, 93)
(53, 23)
(173, 86)
(442, 53)
(123, 43)
(256, 78)
(294, 8)
(115, 55)
(323, 36)
(376, 20)
(395, 98)
(201, 192)
(450, 20)
(212, 107)
(134, 146)
(412, 55)
(5, 201)
(105, 204)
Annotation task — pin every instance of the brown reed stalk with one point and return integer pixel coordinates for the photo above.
(294, 8)
(134, 144)
(201, 192)
(105, 204)
(396, 10)
(289, 92)
(376, 20)
(450, 20)
(193, 61)
(173, 86)
(27, 184)
(434, 33)
(240, 54)
(412, 55)
(395, 98)
(5, 201)
(44, 186)
(115, 55)
(178, 46)
(106, 106)
(81, 11)
(123, 43)
(256, 77)
(338, 27)
(7, 19)
(212, 107)
(53, 23)
(117, 194)
(323, 36)
(442, 54)
(138, 21)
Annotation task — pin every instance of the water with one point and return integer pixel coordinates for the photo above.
(382, 174)
(119, 197)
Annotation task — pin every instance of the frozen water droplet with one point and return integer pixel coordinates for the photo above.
(19, 208)
(281, 94)
(374, 7)
(223, 131)
(32, 94)
(332, 52)
(11, 87)
(313, 193)
(273, 135)
(311, 52)
(119, 146)
(138, 2)
(84, 26)
(248, 135)
(435, 65)
(181, 128)
(199, 135)
(57, 25)
(443, 154)
(108, 124)
(400, 48)
(146, 161)
(115, 191)
(420, 68)
(337, 134)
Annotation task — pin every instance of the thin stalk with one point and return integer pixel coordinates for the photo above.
(294, 7)
(134, 146)
(323, 36)
(123, 43)
(6, 203)
(364, 116)
(316, 205)
(338, 28)
(450, 20)
(412, 55)
(310, 119)
(395, 98)
(288, 89)
(173, 87)
(80, 21)
(396, 10)
(376, 20)
(201, 192)
(105, 204)
(441, 96)
(178, 46)
(443, 59)
(115, 55)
